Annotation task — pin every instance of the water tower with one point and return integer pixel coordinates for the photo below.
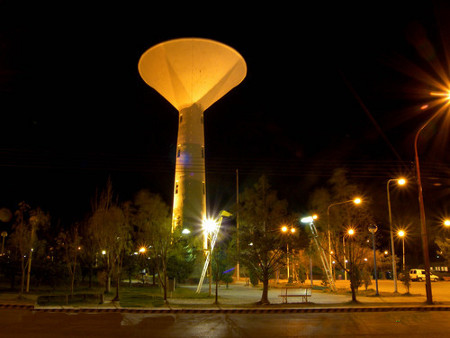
(192, 74)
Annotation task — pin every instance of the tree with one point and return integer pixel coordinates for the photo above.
(153, 220)
(69, 242)
(261, 217)
(24, 237)
(352, 248)
(109, 230)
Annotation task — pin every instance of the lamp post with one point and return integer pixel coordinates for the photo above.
(402, 234)
(373, 229)
(400, 181)
(285, 229)
(356, 201)
(423, 225)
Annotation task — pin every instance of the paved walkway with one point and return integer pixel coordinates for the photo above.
(241, 296)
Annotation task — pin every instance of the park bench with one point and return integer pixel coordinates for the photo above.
(302, 292)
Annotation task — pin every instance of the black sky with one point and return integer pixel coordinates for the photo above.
(327, 86)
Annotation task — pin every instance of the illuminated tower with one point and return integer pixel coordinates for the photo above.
(192, 74)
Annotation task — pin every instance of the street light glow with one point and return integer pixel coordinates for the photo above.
(284, 228)
(447, 222)
(209, 225)
(351, 231)
(401, 233)
(357, 200)
(308, 219)
(142, 249)
(401, 181)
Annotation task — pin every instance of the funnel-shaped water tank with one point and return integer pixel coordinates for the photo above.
(192, 74)
(192, 71)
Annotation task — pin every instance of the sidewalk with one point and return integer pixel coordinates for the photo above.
(239, 297)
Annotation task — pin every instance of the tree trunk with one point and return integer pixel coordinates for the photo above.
(352, 287)
(265, 293)
(22, 281)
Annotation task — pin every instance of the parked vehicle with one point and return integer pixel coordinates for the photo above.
(419, 275)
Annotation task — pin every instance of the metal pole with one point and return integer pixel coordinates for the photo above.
(394, 265)
(287, 255)
(237, 224)
(345, 260)
(423, 225)
(375, 263)
(403, 242)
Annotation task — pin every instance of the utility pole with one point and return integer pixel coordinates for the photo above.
(237, 224)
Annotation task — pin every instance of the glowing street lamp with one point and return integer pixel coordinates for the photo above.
(402, 234)
(423, 226)
(447, 223)
(400, 181)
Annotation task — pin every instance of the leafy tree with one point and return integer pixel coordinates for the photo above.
(261, 244)
(343, 217)
(24, 237)
(153, 219)
(109, 229)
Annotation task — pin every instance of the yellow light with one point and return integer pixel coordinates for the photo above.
(315, 216)
(292, 230)
(386, 252)
(103, 252)
(401, 181)
(351, 231)
(142, 249)
(447, 222)
(284, 228)
(209, 225)
(401, 233)
(357, 200)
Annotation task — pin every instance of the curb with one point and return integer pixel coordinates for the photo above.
(226, 311)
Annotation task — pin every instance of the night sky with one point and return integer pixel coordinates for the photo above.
(327, 86)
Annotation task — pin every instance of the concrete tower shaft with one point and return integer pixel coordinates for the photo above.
(189, 204)
(192, 74)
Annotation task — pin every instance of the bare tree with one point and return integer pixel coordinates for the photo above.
(69, 242)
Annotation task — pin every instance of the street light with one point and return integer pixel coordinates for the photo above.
(373, 229)
(350, 232)
(447, 222)
(286, 230)
(402, 234)
(423, 226)
(356, 201)
(400, 181)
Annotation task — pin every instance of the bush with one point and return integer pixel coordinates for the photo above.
(406, 280)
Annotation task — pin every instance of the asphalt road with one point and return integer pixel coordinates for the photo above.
(24, 323)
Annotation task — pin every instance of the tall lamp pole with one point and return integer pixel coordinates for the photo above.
(373, 229)
(423, 226)
(400, 181)
(402, 234)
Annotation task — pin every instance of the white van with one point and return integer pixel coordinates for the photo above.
(419, 275)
